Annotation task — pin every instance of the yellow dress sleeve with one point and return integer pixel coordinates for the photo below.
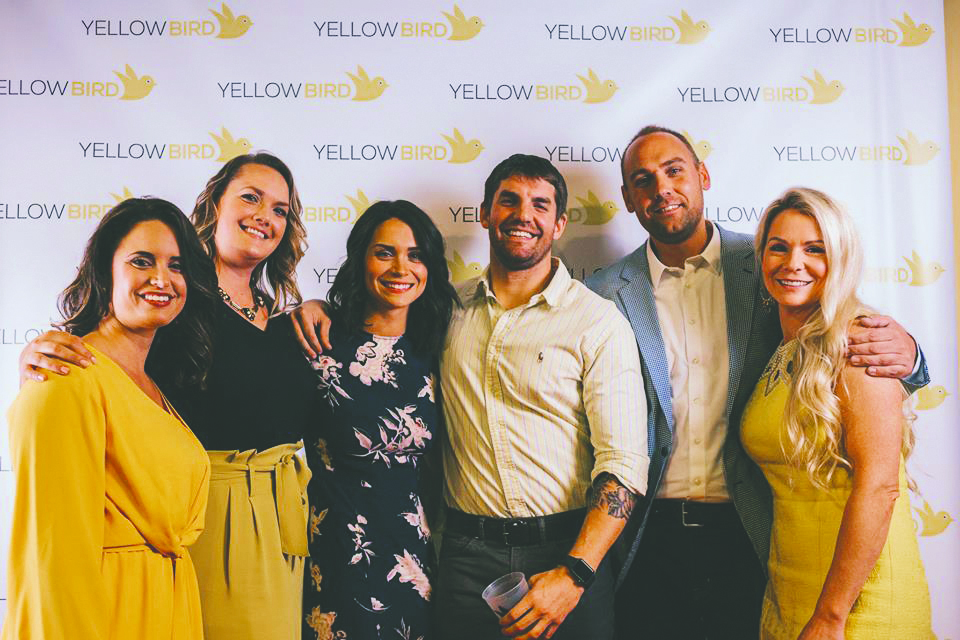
(57, 443)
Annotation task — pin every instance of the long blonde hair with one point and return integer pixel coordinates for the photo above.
(276, 277)
(814, 434)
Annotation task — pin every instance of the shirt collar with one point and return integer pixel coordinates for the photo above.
(709, 258)
(552, 295)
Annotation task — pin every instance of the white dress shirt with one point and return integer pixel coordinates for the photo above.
(539, 400)
(693, 321)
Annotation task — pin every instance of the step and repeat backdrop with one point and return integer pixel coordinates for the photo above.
(382, 100)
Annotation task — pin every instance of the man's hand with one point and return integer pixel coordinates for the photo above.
(306, 318)
(50, 352)
(553, 595)
(881, 345)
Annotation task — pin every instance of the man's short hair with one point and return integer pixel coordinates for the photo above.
(655, 128)
(521, 165)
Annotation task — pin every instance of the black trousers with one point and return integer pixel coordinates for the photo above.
(467, 565)
(692, 582)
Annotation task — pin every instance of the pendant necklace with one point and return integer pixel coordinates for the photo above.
(250, 313)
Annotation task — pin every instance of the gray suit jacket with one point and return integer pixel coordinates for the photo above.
(753, 333)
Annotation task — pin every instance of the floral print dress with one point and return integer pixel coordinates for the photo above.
(367, 575)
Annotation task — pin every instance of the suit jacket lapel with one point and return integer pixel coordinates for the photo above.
(739, 292)
(636, 296)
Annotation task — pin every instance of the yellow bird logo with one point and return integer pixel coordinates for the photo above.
(462, 27)
(933, 523)
(461, 149)
(923, 273)
(126, 195)
(460, 271)
(231, 26)
(596, 212)
(702, 148)
(360, 204)
(918, 152)
(135, 87)
(597, 91)
(230, 148)
(913, 35)
(823, 91)
(367, 89)
(690, 32)
(931, 397)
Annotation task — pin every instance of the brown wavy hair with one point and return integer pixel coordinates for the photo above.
(182, 350)
(275, 278)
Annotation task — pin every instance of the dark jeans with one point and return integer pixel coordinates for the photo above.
(468, 565)
(692, 583)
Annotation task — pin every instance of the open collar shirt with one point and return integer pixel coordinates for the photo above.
(692, 311)
(539, 400)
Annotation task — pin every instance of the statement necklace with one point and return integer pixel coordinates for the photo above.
(250, 313)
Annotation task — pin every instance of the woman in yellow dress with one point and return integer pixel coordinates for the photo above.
(111, 485)
(831, 441)
(250, 415)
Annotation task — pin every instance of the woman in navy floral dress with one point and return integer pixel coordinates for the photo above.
(368, 574)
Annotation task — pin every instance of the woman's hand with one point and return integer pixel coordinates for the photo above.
(50, 352)
(306, 318)
(819, 628)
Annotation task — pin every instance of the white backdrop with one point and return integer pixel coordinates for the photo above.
(384, 100)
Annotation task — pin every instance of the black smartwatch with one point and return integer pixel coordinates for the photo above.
(582, 573)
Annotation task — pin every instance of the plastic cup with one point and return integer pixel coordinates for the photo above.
(505, 592)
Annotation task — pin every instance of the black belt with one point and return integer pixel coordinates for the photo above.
(692, 513)
(517, 532)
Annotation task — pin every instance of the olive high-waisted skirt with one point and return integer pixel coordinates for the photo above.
(250, 556)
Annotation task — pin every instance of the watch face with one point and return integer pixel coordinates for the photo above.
(581, 572)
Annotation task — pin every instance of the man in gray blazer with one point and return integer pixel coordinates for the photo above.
(694, 554)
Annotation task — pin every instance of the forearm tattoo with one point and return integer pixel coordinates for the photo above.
(610, 496)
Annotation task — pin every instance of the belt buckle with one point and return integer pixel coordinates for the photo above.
(683, 516)
(513, 528)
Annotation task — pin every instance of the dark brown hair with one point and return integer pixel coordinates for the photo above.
(429, 314)
(186, 342)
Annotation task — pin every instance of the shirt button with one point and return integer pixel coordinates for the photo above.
(696, 481)
(697, 440)
(696, 401)
(696, 361)
(692, 321)
(687, 286)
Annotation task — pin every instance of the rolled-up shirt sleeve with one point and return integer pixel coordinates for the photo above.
(616, 407)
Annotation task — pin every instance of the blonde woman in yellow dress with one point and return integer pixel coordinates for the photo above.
(111, 485)
(831, 441)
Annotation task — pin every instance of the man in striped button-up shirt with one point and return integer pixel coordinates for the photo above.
(542, 394)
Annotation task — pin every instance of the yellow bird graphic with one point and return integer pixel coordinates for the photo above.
(231, 26)
(230, 148)
(913, 35)
(135, 87)
(918, 152)
(702, 148)
(823, 91)
(367, 89)
(690, 32)
(923, 273)
(462, 27)
(597, 91)
(360, 204)
(462, 149)
(126, 195)
(931, 397)
(596, 212)
(460, 271)
(933, 523)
